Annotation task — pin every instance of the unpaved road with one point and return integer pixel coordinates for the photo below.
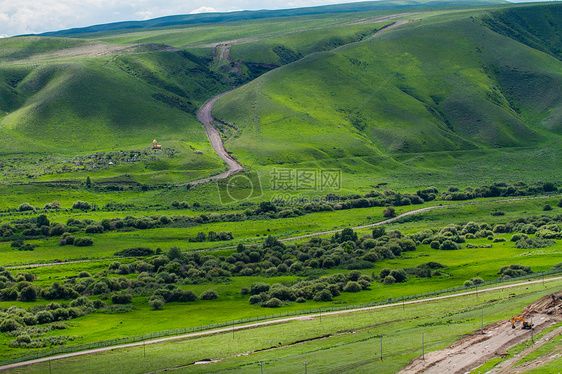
(266, 323)
(476, 349)
(205, 116)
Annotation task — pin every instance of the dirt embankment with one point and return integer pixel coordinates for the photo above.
(476, 349)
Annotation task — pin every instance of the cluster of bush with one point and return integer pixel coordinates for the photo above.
(318, 289)
(499, 189)
(473, 281)
(545, 229)
(388, 276)
(41, 227)
(28, 325)
(17, 287)
(212, 236)
(514, 271)
(21, 246)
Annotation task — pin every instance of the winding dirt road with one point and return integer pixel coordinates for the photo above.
(205, 116)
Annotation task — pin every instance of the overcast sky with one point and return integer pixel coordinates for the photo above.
(35, 16)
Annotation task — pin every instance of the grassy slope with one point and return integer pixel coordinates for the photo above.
(93, 104)
(431, 86)
(397, 108)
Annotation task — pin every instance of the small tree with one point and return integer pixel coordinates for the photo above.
(399, 274)
(384, 273)
(29, 293)
(174, 254)
(378, 231)
(42, 220)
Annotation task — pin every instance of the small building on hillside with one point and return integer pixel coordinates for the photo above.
(155, 145)
(198, 152)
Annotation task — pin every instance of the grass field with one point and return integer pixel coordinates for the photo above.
(385, 99)
(286, 347)
(460, 265)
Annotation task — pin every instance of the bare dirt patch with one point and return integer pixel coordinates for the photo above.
(475, 349)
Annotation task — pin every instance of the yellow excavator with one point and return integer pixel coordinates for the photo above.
(526, 325)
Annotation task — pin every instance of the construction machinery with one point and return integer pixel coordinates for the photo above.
(526, 325)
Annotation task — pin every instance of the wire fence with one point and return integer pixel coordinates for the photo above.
(231, 324)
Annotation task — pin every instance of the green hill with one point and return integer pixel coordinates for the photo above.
(433, 85)
(210, 18)
(409, 91)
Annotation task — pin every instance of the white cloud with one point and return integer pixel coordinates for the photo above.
(143, 15)
(203, 9)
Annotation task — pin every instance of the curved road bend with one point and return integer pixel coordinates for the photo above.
(205, 116)
(265, 323)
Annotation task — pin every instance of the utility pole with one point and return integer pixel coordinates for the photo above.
(482, 326)
(532, 330)
(423, 346)
(305, 371)
(381, 347)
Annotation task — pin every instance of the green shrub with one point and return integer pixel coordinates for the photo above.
(135, 252)
(399, 275)
(209, 295)
(9, 294)
(273, 303)
(259, 287)
(83, 242)
(25, 207)
(448, 245)
(323, 295)
(352, 286)
(389, 279)
(9, 325)
(255, 299)
(44, 316)
(156, 302)
(121, 298)
(529, 243)
(28, 294)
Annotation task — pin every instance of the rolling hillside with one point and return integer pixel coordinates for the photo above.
(462, 83)
(385, 90)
